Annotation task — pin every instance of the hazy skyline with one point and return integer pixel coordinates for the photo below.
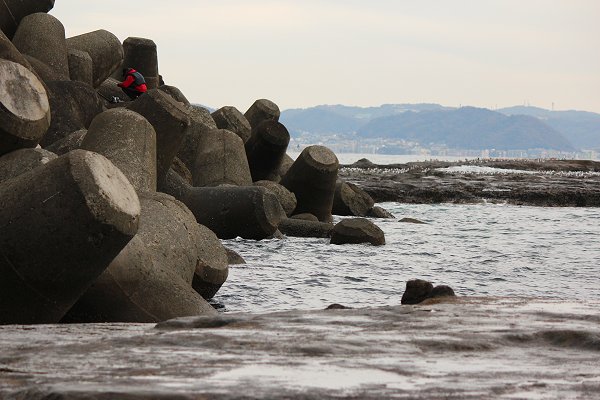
(485, 53)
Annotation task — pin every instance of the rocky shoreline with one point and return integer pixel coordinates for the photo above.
(545, 182)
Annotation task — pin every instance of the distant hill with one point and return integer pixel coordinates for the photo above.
(581, 127)
(468, 128)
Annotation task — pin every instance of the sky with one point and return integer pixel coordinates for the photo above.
(483, 53)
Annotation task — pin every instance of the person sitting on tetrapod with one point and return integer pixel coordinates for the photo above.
(134, 84)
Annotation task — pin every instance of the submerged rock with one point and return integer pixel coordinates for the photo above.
(357, 230)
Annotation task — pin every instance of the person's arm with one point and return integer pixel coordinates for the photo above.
(127, 82)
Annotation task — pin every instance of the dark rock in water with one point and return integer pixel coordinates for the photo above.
(21, 161)
(170, 120)
(233, 258)
(220, 159)
(305, 228)
(442, 291)
(364, 163)
(247, 211)
(105, 50)
(24, 108)
(417, 290)
(175, 93)
(411, 221)
(350, 200)
(12, 12)
(74, 105)
(312, 178)
(380, 212)
(262, 110)
(128, 140)
(286, 198)
(357, 230)
(80, 66)
(141, 55)
(305, 216)
(69, 143)
(201, 123)
(265, 149)
(337, 307)
(232, 119)
(42, 36)
(49, 260)
(212, 267)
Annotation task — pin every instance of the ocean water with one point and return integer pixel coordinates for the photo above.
(478, 250)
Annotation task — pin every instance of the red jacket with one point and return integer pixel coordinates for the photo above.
(135, 80)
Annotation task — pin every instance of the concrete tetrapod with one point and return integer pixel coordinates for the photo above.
(175, 93)
(286, 198)
(356, 231)
(9, 52)
(170, 120)
(13, 11)
(129, 141)
(69, 143)
(105, 50)
(233, 120)
(81, 67)
(62, 224)
(24, 108)
(312, 178)
(262, 110)
(247, 211)
(21, 161)
(349, 199)
(73, 105)
(151, 279)
(42, 36)
(265, 150)
(221, 159)
(212, 268)
(201, 122)
(304, 228)
(140, 54)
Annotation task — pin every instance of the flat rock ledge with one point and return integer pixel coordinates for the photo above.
(468, 348)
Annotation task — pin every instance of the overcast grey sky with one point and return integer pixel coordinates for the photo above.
(485, 53)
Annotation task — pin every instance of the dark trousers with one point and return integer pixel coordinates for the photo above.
(132, 93)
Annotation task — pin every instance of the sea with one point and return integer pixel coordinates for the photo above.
(525, 323)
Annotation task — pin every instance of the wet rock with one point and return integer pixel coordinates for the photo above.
(336, 306)
(21, 161)
(246, 211)
(80, 66)
(62, 223)
(380, 212)
(12, 12)
(265, 149)
(305, 228)
(221, 159)
(312, 178)
(417, 290)
(105, 50)
(24, 108)
(201, 122)
(74, 105)
(42, 36)
(233, 258)
(232, 119)
(357, 230)
(70, 142)
(349, 200)
(170, 120)
(175, 93)
(442, 291)
(411, 221)
(212, 268)
(305, 216)
(129, 141)
(286, 198)
(141, 54)
(262, 110)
